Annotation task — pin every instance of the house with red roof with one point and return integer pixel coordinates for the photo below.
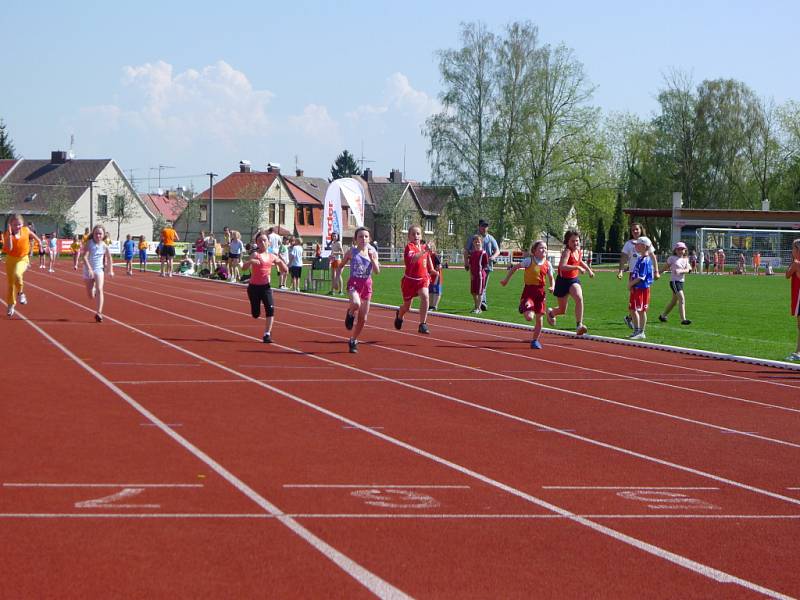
(81, 192)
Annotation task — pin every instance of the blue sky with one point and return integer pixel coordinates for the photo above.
(198, 86)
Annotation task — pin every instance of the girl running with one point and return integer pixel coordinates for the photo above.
(142, 254)
(478, 264)
(258, 288)
(416, 279)
(678, 266)
(17, 247)
(75, 246)
(363, 259)
(568, 283)
(538, 273)
(96, 256)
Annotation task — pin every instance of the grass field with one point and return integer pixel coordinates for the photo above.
(742, 315)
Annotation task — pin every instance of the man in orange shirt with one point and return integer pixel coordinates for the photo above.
(17, 247)
(168, 238)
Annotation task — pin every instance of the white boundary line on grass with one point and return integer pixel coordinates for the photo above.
(657, 551)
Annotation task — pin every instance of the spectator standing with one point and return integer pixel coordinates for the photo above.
(168, 238)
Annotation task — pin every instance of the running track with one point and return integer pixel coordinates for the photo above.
(168, 453)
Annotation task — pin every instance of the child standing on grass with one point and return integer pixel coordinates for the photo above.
(567, 281)
(363, 259)
(96, 256)
(793, 273)
(538, 273)
(128, 246)
(416, 279)
(259, 290)
(478, 264)
(639, 284)
(678, 266)
(435, 286)
(296, 262)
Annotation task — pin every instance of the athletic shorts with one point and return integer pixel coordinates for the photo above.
(296, 272)
(563, 284)
(143, 255)
(361, 285)
(639, 299)
(168, 251)
(234, 256)
(676, 286)
(128, 257)
(335, 263)
(477, 281)
(410, 287)
(258, 295)
(435, 288)
(532, 299)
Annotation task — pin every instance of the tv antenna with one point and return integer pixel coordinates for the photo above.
(363, 160)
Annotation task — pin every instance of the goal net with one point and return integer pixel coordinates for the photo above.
(774, 246)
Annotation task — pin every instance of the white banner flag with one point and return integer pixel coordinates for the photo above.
(349, 192)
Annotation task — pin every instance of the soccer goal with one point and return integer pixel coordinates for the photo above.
(773, 246)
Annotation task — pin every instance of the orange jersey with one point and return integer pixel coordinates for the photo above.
(570, 271)
(142, 245)
(169, 236)
(22, 245)
(536, 274)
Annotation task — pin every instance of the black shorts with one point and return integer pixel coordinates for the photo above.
(234, 256)
(563, 284)
(296, 272)
(258, 295)
(676, 286)
(168, 251)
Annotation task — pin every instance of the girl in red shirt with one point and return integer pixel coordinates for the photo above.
(478, 263)
(793, 273)
(567, 281)
(417, 257)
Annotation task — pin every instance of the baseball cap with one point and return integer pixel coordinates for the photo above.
(679, 245)
(483, 223)
(643, 240)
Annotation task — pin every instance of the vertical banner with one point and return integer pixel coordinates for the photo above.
(349, 192)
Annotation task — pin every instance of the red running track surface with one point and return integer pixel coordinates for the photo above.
(168, 453)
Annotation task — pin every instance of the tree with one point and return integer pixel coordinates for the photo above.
(6, 146)
(344, 166)
(616, 233)
(253, 206)
(459, 147)
(60, 204)
(600, 236)
(125, 205)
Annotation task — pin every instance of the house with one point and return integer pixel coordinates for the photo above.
(70, 194)
(309, 195)
(167, 207)
(244, 201)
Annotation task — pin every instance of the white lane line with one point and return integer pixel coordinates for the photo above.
(103, 485)
(370, 426)
(141, 364)
(368, 579)
(374, 485)
(622, 487)
(394, 516)
(167, 424)
(657, 551)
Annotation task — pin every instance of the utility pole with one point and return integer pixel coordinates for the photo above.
(211, 202)
(91, 183)
(161, 168)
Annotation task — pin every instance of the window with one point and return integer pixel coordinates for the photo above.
(301, 215)
(281, 214)
(272, 214)
(406, 222)
(450, 227)
(310, 215)
(102, 205)
(429, 224)
(203, 214)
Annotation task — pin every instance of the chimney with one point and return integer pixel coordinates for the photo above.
(273, 168)
(244, 166)
(396, 176)
(58, 157)
(368, 175)
(298, 172)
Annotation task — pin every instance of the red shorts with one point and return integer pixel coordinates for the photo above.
(795, 302)
(532, 299)
(411, 287)
(335, 263)
(640, 299)
(362, 286)
(477, 281)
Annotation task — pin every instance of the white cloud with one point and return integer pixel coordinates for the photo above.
(315, 122)
(399, 97)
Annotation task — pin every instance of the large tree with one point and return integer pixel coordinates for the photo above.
(6, 145)
(345, 165)
(125, 205)
(60, 204)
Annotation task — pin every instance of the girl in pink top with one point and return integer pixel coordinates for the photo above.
(258, 289)
(363, 259)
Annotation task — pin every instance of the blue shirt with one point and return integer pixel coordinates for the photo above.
(643, 269)
(128, 247)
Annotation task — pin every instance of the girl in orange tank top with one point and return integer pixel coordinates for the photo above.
(567, 282)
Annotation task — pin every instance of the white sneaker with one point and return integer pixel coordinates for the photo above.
(638, 335)
(476, 311)
(23, 299)
(52, 270)
(10, 311)
(794, 357)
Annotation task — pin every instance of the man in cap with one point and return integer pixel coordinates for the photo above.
(492, 249)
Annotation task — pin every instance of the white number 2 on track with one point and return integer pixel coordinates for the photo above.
(112, 500)
(666, 500)
(390, 498)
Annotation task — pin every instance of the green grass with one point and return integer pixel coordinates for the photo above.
(742, 315)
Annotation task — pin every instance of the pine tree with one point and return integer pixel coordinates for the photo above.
(344, 166)
(600, 237)
(616, 233)
(6, 146)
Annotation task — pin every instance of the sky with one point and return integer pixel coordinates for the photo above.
(179, 89)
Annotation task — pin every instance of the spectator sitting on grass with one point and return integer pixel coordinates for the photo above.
(186, 266)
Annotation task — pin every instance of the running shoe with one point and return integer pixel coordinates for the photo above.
(98, 318)
(398, 322)
(10, 311)
(793, 357)
(550, 318)
(637, 335)
(686, 322)
(475, 311)
(536, 345)
(662, 318)
(349, 320)
(267, 339)
(22, 298)
(352, 345)
(628, 321)
(484, 307)
(423, 328)
(582, 329)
